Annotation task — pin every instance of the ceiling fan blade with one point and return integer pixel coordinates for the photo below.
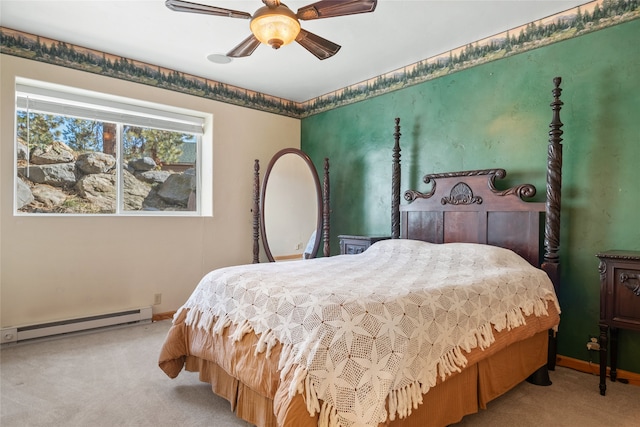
(331, 8)
(245, 48)
(186, 6)
(321, 48)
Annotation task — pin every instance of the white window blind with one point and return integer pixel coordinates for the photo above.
(56, 102)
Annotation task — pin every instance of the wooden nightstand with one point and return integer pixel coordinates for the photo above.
(619, 304)
(350, 245)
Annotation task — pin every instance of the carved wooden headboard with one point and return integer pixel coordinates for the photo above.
(467, 207)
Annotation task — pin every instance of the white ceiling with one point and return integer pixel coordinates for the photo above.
(397, 33)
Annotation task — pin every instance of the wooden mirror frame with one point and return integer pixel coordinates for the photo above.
(259, 195)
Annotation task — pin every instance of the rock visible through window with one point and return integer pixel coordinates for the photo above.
(68, 164)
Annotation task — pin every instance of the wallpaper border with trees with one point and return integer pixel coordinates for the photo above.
(575, 22)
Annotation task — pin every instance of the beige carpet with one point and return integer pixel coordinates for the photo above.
(111, 378)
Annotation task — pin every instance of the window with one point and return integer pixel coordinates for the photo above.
(80, 152)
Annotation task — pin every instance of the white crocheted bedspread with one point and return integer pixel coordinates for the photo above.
(381, 326)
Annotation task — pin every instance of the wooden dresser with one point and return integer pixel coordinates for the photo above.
(350, 245)
(619, 304)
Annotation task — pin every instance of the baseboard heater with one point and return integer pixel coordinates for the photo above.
(13, 335)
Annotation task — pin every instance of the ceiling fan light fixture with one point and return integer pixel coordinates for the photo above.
(276, 26)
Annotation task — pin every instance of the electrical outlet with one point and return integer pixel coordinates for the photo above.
(593, 344)
(157, 299)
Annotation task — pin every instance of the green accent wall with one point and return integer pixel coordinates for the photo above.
(497, 115)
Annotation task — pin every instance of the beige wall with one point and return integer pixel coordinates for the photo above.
(55, 268)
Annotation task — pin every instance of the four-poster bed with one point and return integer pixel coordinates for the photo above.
(419, 330)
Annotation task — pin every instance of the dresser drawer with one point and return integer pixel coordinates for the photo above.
(626, 296)
(620, 289)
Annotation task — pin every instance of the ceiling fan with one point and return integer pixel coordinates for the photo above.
(276, 25)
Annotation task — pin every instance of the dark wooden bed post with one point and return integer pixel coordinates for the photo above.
(256, 211)
(326, 210)
(551, 263)
(395, 184)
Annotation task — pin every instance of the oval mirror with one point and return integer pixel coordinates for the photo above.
(291, 207)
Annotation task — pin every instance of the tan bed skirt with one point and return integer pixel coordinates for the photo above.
(251, 383)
